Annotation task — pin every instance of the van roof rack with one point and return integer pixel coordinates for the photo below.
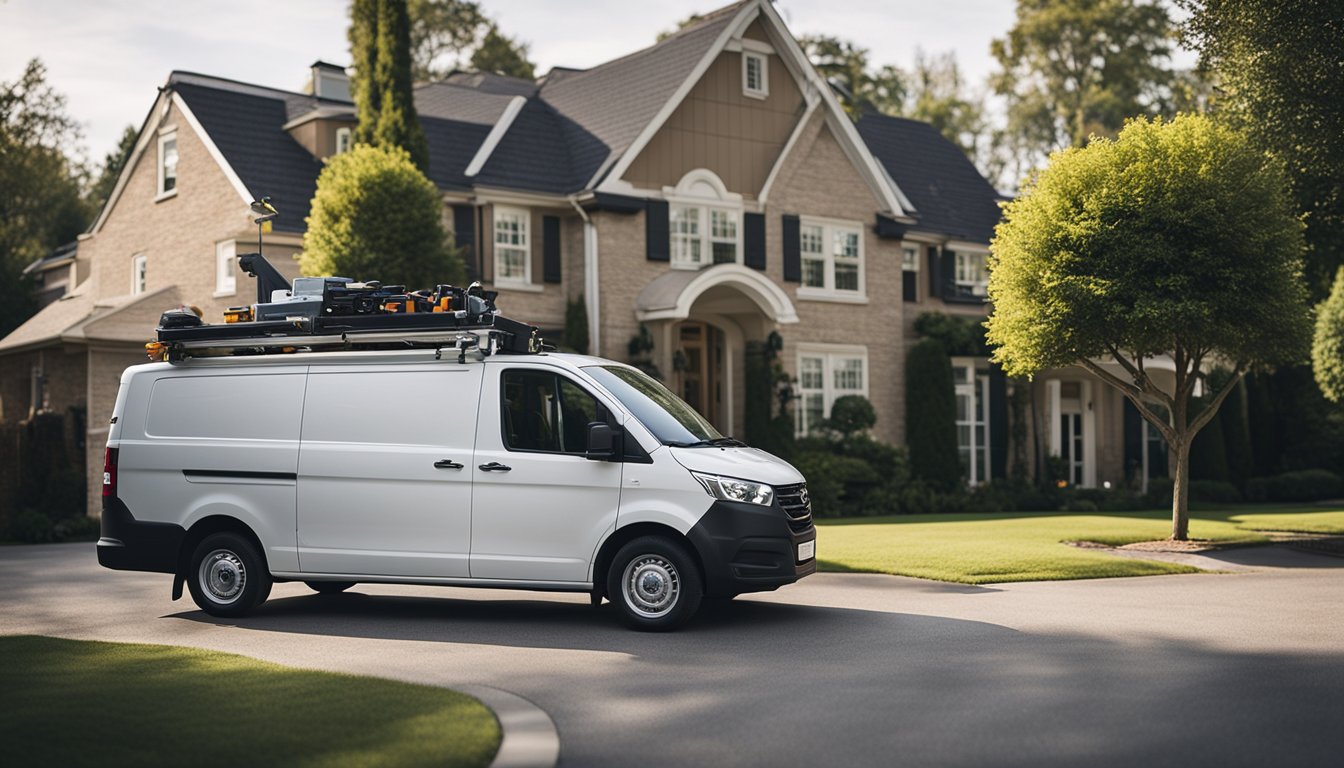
(319, 314)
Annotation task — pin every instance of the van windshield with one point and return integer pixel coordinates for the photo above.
(667, 416)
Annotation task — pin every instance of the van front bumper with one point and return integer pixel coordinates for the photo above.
(130, 545)
(749, 548)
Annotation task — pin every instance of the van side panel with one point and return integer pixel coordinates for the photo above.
(385, 469)
(199, 443)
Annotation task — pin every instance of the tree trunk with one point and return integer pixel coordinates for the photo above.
(1180, 492)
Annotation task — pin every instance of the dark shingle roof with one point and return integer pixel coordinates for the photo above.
(246, 124)
(950, 196)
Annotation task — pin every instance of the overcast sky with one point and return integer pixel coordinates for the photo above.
(109, 56)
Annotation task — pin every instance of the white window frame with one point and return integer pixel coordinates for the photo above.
(763, 89)
(701, 190)
(524, 217)
(971, 271)
(831, 356)
(164, 138)
(139, 273)
(975, 387)
(831, 228)
(344, 139)
(909, 258)
(226, 268)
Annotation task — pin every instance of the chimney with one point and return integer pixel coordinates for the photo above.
(329, 81)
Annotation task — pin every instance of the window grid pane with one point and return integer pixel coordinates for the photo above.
(814, 273)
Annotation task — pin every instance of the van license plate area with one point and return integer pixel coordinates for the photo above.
(807, 550)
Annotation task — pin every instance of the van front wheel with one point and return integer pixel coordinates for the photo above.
(228, 576)
(655, 583)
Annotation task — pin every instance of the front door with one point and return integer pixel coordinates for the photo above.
(539, 507)
(384, 484)
(700, 370)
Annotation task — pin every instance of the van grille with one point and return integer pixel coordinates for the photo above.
(797, 505)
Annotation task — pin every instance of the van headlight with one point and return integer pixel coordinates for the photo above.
(733, 489)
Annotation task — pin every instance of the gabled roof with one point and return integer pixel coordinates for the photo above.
(949, 195)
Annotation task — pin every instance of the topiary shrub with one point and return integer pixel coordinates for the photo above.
(376, 216)
(852, 414)
(576, 325)
(930, 416)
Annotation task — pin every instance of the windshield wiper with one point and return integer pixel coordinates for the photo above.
(717, 442)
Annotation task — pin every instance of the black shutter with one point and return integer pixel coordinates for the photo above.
(935, 273)
(910, 285)
(1134, 437)
(998, 422)
(657, 246)
(550, 248)
(948, 275)
(464, 235)
(793, 249)
(753, 240)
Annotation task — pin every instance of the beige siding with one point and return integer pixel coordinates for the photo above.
(718, 127)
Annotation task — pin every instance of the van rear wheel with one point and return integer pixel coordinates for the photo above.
(228, 576)
(329, 587)
(655, 583)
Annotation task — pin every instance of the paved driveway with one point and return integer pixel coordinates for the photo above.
(1231, 669)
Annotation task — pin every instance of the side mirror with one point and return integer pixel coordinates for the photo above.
(601, 442)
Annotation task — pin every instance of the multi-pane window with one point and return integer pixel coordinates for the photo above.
(226, 280)
(823, 377)
(910, 273)
(343, 140)
(972, 274)
(755, 75)
(167, 163)
(513, 262)
(139, 265)
(972, 394)
(832, 257)
(703, 235)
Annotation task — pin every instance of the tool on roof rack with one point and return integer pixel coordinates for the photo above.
(337, 313)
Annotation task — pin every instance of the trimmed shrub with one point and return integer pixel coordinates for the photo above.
(851, 414)
(576, 325)
(1303, 485)
(1214, 492)
(931, 412)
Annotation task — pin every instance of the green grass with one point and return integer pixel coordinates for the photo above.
(990, 548)
(68, 702)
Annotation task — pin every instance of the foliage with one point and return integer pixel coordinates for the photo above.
(1178, 239)
(689, 21)
(1073, 68)
(41, 205)
(1303, 485)
(857, 475)
(1280, 78)
(930, 416)
(576, 325)
(640, 349)
(1327, 347)
(456, 34)
(1292, 425)
(1236, 433)
(375, 214)
(101, 190)
(937, 94)
(1208, 453)
(858, 84)
(768, 420)
(381, 45)
(960, 336)
(850, 415)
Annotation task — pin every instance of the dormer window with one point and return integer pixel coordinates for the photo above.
(704, 218)
(167, 164)
(755, 75)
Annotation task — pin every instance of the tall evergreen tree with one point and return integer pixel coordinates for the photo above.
(380, 38)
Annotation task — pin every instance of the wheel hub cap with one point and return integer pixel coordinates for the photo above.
(652, 585)
(222, 576)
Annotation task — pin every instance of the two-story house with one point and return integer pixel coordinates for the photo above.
(708, 190)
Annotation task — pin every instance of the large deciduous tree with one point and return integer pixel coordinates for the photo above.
(376, 217)
(1279, 70)
(1073, 68)
(859, 85)
(381, 46)
(456, 34)
(1177, 240)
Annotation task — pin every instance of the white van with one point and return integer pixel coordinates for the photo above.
(538, 471)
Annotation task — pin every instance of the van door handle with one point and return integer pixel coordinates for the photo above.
(447, 464)
(495, 466)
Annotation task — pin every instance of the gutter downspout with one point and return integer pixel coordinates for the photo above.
(590, 281)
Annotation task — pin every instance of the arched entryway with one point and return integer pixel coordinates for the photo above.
(701, 322)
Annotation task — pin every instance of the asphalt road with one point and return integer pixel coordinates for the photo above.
(1208, 669)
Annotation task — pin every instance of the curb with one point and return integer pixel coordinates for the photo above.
(529, 738)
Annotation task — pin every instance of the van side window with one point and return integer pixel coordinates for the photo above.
(543, 411)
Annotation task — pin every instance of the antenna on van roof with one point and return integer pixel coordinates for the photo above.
(265, 213)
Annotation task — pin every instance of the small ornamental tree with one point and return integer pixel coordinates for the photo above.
(375, 217)
(1327, 350)
(931, 416)
(1176, 239)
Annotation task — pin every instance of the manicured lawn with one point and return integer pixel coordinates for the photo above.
(68, 702)
(990, 548)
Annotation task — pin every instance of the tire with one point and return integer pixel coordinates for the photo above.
(329, 587)
(656, 584)
(228, 575)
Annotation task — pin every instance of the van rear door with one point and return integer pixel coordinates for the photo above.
(385, 469)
